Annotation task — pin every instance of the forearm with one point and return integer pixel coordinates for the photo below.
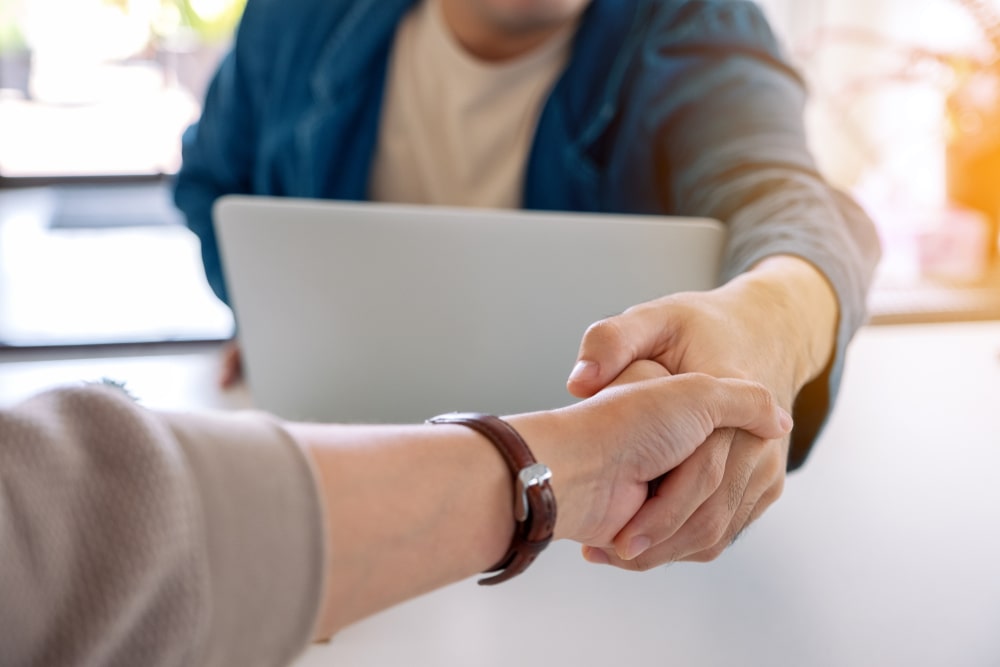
(798, 297)
(407, 509)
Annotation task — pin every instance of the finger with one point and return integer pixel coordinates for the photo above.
(748, 406)
(639, 371)
(668, 552)
(595, 555)
(713, 525)
(654, 557)
(610, 345)
(680, 494)
(766, 491)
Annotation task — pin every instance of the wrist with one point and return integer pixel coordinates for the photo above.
(556, 441)
(804, 307)
(534, 507)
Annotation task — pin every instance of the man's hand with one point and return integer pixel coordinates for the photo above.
(774, 324)
(643, 425)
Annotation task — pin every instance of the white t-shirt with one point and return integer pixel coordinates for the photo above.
(456, 130)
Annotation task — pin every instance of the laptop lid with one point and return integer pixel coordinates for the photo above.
(364, 312)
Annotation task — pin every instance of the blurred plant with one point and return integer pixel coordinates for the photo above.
(972, 109)
(964, 80)
(987, 20)
(210, 21)
(968, 79)
(11, 37)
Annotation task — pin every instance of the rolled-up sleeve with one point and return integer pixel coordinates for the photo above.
(733, 146)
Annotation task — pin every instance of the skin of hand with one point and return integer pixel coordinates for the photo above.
(408, 509)
(774, 324)
(640, 427)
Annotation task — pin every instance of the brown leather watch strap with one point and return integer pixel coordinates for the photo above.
(534, 499)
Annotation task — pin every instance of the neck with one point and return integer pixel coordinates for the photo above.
(488, 38)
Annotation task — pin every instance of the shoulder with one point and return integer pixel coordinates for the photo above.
(681, 36)
(268, 25)
(279, 14)
(733, 25)
(280, 36)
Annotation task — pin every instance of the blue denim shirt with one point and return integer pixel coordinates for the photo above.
(677, 107)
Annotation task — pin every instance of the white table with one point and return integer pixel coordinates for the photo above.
(883, 551)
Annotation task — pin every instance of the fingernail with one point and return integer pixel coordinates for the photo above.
(636, 546)
(584, 370)
(596, 556)
(785, 420)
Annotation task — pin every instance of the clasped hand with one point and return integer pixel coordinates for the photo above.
(774, 326)
(644, 424)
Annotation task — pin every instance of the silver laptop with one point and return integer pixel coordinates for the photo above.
(362, 312)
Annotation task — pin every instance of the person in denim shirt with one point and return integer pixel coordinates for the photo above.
(672, 107)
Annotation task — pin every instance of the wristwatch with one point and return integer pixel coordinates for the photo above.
(534, 499)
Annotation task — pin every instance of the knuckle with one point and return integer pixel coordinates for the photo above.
(763, 397)
(606, 332)
(669, 523)
(709, 532)
(771, 495)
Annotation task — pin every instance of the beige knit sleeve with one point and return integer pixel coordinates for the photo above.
(129, 537)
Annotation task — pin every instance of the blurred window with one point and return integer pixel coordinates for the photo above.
(104, 87)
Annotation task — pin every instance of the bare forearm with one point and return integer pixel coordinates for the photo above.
(399, 500)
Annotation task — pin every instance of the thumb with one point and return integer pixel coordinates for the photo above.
(610, 345)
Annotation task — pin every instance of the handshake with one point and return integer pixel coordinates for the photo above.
(412, 508)
(620, 461)
(680, 441)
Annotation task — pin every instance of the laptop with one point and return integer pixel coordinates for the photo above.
(367, 313)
